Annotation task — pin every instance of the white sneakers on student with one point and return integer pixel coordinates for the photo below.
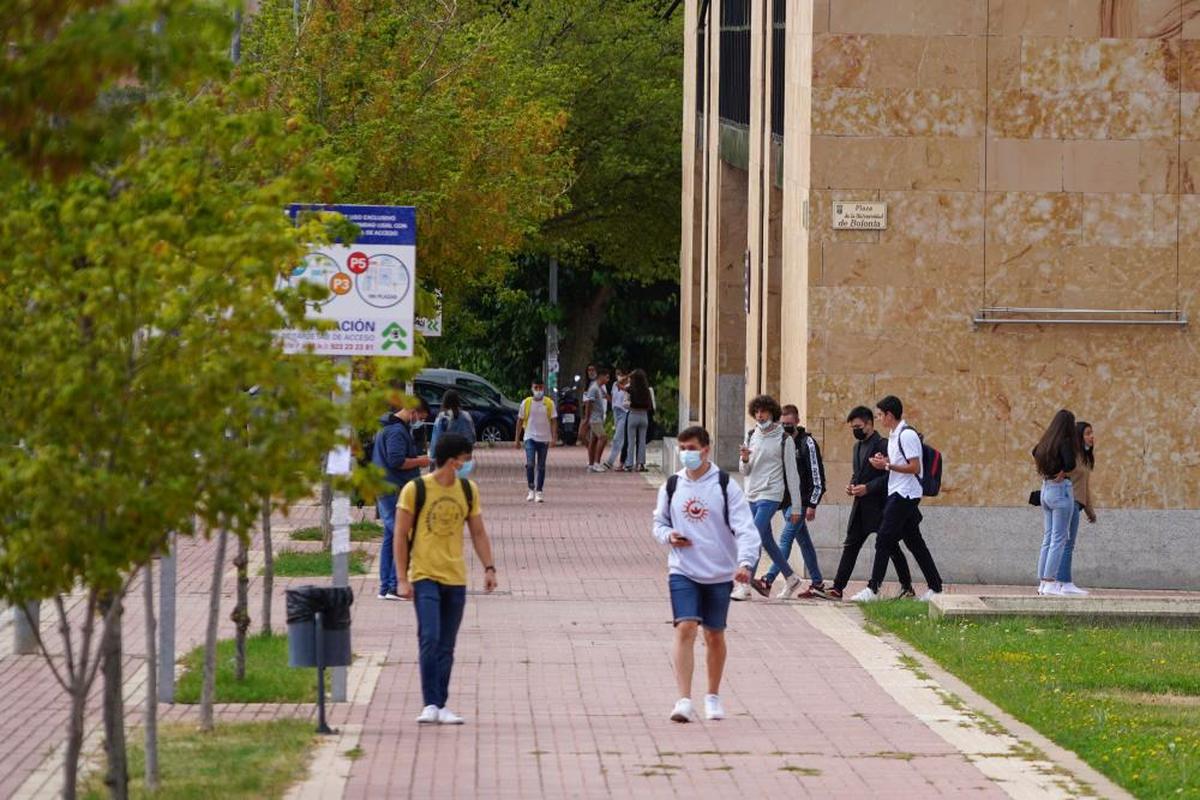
(539, 497)
(790, 587)
(1051, 589)
(429, 714)
(529, 497)
(741, 591)
(866, 596)
(448, 717)
(929, 595)
(713, 708)
(1071, 589)
(683, 711)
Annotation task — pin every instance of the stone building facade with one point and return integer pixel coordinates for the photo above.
(1039, 161)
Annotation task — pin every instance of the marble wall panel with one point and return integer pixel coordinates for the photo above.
(1105, 65)
(939, 17)
(913, 112)
(896, 163)
(899, 62)
(1021, 113)
(901, 263)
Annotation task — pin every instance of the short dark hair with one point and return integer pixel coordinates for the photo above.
(421, 406)
(695, 433)
(891, 405)
(451, 445)
(791, 409)
(860, 412)
(602, 371)
(765, 401)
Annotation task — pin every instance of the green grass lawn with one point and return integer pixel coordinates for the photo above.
(1126, 698)
(238, 760)
(269, 679)
(305, 563)
(364, 531)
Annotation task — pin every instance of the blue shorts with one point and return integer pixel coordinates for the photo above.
(706, 603)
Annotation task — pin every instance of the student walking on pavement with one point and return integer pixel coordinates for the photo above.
(637, 426)
(703, 518)
(768, 460)
(396, 452)
(538, 420)
(620, 409)
(452, 419)
(811, 469)
(1081, 487)
(595, 410)
(868, 487)
(429, 540)
(901, 513)
(1055, 456)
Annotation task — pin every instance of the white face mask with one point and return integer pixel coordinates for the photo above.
(538, 394)
(763, 424)
(691, 459)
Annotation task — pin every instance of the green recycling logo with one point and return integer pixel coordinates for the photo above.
(395, 336)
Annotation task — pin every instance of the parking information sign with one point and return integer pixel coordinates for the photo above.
(371, 282)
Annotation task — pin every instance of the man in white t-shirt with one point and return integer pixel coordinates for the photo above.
(901, 513)
(595, 411)
(539, 421)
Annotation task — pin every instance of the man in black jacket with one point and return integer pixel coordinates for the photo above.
(868, 487)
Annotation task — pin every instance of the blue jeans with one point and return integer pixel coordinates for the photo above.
(386, 505)
(1058, 501)
(706, 603)
(618, 442)
(637, 425)
(763, 511)
(1064, 566)
(535, 452)
(439, 613)
(796, 532)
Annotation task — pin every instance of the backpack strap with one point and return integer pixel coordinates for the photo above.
(672, 484)
(723, 479)
(418, 506)
(468, 493)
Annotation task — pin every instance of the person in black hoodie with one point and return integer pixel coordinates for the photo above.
(868, 487)
(397, 453)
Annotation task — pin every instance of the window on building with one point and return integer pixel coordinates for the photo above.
(735, 62)
(778, 51)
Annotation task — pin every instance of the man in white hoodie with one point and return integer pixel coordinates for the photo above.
(769, 464)
(703, 517)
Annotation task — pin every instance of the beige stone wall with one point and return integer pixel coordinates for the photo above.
(1041, 155)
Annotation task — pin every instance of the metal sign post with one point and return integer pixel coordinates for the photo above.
(339, 464)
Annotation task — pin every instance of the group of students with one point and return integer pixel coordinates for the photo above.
(632, 402)
(1065, 459)
(714, 529)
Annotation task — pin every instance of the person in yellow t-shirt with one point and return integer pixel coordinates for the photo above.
(436, 580)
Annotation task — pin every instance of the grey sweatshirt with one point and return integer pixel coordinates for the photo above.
(772, 466)
(698, 512)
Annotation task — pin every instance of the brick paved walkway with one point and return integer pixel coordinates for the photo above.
(564, 676)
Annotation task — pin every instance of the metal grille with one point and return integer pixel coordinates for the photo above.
(735, 62)
(778, 51)
(701, 54)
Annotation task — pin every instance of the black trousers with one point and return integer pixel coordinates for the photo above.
(902, 523)
(856, 537)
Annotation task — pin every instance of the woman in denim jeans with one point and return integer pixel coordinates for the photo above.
(1055, 456)
(1081, 487)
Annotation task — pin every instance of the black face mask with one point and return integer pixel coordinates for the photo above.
(789, 429)
(859, 433)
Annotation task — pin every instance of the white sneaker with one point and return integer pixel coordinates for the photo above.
(529, 497)
(865, 596)
(1071, 589)
(790, 587)
(1054, 589)
(429, 714)
(712, 707)
(683, 711)
(539, 498)
(595, 468)
(741, 591)
(929, 595)
(447, 717)
(1042, 587)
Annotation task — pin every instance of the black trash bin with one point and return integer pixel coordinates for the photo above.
(332, 647)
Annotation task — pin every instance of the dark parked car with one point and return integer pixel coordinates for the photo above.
(494, 422)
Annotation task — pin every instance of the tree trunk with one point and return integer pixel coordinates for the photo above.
(241, 608)
(268, 582)
(151, 711)
(208, 686)
(583, 330)
(117, 777)
(78, 683)
(327, 513)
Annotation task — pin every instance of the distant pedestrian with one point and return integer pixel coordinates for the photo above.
(901, 513)
(452, 419)
(620, 409)
(868, 487)
(1081, 487)
(396, 452)
(811, 470)
(539, 422)
(595, 412)
(637, 426)
(768, 460)
(1056, 455)
(702, 516)
(429, 540)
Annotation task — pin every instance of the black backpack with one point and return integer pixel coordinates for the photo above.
(931, 464)
(722, 478)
